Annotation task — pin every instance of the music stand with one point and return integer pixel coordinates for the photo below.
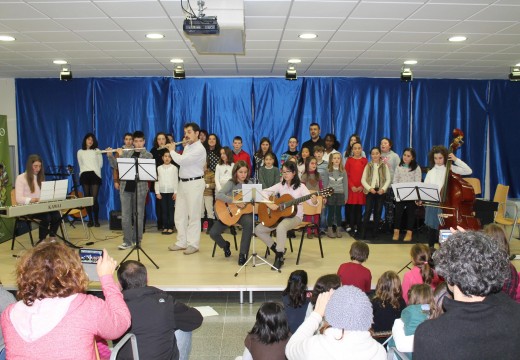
(138, 170)
(252, 193)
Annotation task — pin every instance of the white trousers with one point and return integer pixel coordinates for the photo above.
(187, 212)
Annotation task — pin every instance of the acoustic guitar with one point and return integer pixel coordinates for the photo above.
(287, 207)
(230, 213)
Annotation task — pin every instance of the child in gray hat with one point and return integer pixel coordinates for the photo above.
(347, 312)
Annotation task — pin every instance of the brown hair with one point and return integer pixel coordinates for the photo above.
(497, 233)
(240, 164)
(359, 251)
(420, 254)
(421, 294)
(441, 292)
(229, 155)
(331, 166)
(29, 175)
(49, 270)
(438, 149)
(388, 289)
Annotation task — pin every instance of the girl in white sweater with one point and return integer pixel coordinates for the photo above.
(90, 164)
(223, 171)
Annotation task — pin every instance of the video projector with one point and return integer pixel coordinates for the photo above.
(207, 25)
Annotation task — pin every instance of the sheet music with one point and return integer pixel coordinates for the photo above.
(416, 191)
(146, 169)
(54, 190)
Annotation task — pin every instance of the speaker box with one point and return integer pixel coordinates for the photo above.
(115, 220)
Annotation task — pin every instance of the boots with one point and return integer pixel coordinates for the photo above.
(330, 232)
(408, 236)
(396, 235)
(278, 261)
(338, 232)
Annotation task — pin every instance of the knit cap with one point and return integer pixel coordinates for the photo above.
(349, 308)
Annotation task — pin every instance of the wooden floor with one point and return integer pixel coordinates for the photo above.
(201, 272)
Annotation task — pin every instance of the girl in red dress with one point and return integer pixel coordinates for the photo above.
(356, 198)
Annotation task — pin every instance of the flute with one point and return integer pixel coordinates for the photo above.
(128, 149)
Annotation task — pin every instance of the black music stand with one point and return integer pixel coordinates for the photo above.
(138, 170)
(252, 195)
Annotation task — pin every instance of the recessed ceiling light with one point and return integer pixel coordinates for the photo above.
(307, 36)
(294, 61)
(410, 62)
(6, 38)
(154, 36)
(60, 62)
(517, 64)
(177, 61)
(457, 38)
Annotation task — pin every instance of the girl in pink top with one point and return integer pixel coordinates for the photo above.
(55, 318)
(421, 273)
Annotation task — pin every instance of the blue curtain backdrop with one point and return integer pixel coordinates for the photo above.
(371, 108)
(53, 116)
(425, 110)
(442, 105)
(287, 108)
(504, 118)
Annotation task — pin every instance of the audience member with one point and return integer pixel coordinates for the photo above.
(441, 292)
(387, 302)
(353, 272)
(270, 334)
(323, 284)
(511, 284)
(295, 299)
(422, 272)
(6, 299)
(481, 322)
(55, 318)
(156, 317)
(419, 309)
(348, 313)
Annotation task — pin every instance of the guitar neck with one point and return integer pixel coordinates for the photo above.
(299, 200)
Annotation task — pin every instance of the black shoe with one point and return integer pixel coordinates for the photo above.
(272, 248)
(291, 234)
(90, 223)
(96, 224)
(232, 230)
(227, 250)
(278, 262)
(242, 258)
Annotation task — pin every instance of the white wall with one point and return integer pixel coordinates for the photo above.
(8, 107)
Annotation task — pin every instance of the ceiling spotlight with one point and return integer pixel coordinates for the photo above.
(154, 36)
(457, 38)
(65, 73)
(514, 75)
(177, 61)
(290, 74)
(178, 72)
(410, 62)
(307, 36)
(294, 61)
(406, 74)
(60, 62)
(6, 38)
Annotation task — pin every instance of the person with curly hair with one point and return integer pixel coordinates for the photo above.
(54, 317)
(480, 322)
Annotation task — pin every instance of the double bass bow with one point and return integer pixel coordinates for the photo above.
(457, 195)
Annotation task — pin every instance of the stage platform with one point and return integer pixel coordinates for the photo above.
(200, 272)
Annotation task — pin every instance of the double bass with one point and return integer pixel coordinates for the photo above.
(457, 196)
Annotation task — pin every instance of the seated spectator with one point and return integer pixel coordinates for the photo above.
(270, 334)
(348, 313)
(481, 322)
(6, 299)
(323, 284)
(295, 299)
(441, 292)
(354, 273)
(419, 309)
(54, 318)
(156, 316)
(511, 284)
(422, 272)
(387, 302)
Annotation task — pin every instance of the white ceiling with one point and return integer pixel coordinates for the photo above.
(368, 38)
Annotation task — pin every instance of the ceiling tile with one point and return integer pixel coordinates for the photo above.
(324, 9)
(133, 9)
(385, 10)
(68, 10)
(12, 10)
(447, 11)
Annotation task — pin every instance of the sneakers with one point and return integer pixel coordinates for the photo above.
(242, 258)
(190, 250)
(330, 232)
(227, 249)
(124, 246)
(175, 248)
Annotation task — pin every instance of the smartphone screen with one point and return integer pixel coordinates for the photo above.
(90, 256)
(444, 235)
